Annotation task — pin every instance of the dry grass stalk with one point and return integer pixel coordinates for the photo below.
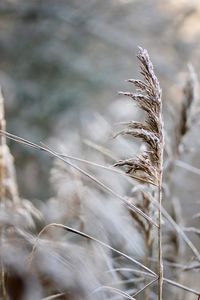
(190, 107)
(192, 99)
(149, 165)
(14, 210)
(188, 121)
(9, 194)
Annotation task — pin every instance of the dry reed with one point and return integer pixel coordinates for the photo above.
(149, 164)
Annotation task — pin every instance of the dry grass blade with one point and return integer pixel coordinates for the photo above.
(168, 281)
(131, 270)
(106, 152)
(181, 232)
(145, 287)
(115, 290)
(102, 185)
(187, 167)
(53, 296)
(192, 229)
(90, 238)
(181, 286)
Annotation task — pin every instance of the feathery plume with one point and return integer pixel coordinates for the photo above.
(149, 164)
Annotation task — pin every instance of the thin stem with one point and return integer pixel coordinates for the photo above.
(160, 259)
(115, 290)
(145, 287)
(181, 286)
(160, 251)
(136, 271)
(177, 228)
(186, 166)
(56, 296)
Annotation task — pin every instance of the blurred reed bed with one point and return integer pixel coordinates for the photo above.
(112, 225)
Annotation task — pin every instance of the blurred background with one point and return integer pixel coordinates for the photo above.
(60, 58)
(61, 65)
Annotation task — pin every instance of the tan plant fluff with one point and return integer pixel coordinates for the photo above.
(149, 164)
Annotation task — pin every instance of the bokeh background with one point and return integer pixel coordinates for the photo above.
(60, 58)
(62, 63)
